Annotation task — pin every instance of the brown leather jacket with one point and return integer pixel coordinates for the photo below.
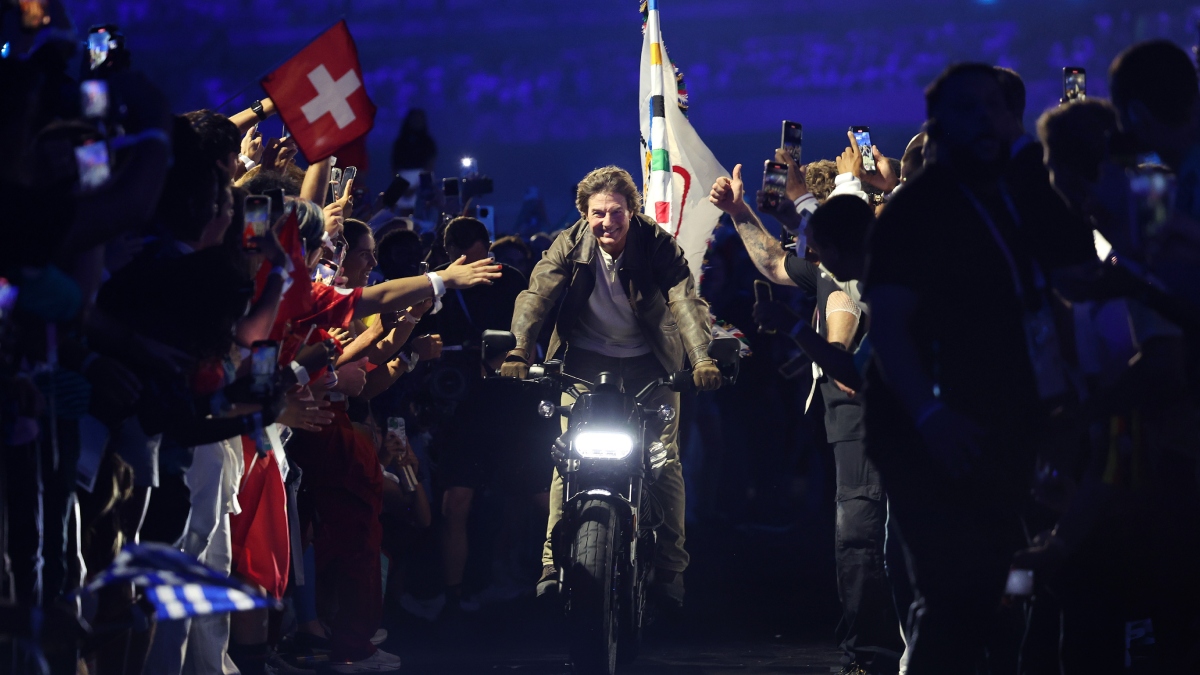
(672, 315)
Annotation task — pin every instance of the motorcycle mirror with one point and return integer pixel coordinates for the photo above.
(497, 343)
(725, 349)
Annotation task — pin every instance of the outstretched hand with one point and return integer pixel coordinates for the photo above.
(461, 274)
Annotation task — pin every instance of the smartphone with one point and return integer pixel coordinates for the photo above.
(450, 187)
(264, 359)
(1020, 583)
(91, 161)
(335, 182)
(97, 49)
(348, 174)
(395, 190)
(256, 216)
(423, 268)
(395, 427)
(774, 184)
(8, 298)
(93, 95)
(862, 136)
(106, 48)
(339, 250)
(1074, 84)
(327, 271)
(763, 293)
(796, 366)
(793, 136)
(276, 197)
(1153, 192)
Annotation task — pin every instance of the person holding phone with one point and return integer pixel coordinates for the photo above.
(613, 247)
(836, 231)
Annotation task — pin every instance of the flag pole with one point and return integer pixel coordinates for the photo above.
(280, 62)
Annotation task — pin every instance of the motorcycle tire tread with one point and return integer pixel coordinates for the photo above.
(593, 551)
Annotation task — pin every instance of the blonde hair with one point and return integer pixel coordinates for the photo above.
(612, 179)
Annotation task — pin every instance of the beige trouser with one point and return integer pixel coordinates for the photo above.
(636, 373)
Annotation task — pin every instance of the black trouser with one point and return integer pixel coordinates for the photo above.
(871, 625)
(960, 535)
(41, 490)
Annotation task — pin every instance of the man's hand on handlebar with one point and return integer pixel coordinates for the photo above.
(516, 365)
(706, 376)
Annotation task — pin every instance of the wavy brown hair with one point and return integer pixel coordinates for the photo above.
(612, 179)
(820, 177)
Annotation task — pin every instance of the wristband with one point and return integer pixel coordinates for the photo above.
(301, 373)
(247, 162)
(410, 360)
(928, 410)
(257, 107)
(439, 289)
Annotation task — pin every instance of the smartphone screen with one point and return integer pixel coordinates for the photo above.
(264, 359)
(774, 183)
(327, 272)
(93, 95)
(97, 49)
(348, 174)
(793, 136)
(1153, 192)
(91, 160)
(862, 136)
(257, 213)
(1074, 84)
(450, 187)
(335, 182)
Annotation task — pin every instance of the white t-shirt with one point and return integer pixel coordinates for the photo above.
(607, 325)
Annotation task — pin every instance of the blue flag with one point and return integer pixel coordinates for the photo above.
(177, 584)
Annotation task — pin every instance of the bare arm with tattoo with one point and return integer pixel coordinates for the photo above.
(765, 250)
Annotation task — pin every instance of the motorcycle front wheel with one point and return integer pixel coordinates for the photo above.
(593, 616)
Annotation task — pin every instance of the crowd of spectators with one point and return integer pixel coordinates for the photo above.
(999, 325)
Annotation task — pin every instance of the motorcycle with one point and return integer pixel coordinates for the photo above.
(604, 544)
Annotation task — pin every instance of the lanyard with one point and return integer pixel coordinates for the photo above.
(1038, 279)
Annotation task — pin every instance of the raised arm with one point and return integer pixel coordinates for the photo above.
(248, 118)
(765, 250)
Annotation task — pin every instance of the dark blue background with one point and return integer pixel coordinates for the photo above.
(541, 92)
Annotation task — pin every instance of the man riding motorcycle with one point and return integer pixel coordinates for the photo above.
(630, 307)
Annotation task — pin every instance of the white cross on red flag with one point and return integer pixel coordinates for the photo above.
(320, 94)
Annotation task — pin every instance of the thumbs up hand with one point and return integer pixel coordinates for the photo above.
(728, 194)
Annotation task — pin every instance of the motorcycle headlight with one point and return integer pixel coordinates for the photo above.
(603, 445)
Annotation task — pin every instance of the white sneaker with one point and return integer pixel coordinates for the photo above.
(379, 662)
(379, 637)
(425, 609)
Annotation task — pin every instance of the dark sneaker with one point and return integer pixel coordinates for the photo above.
(547, 585)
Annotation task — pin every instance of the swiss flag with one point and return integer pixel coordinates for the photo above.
(321, 96)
